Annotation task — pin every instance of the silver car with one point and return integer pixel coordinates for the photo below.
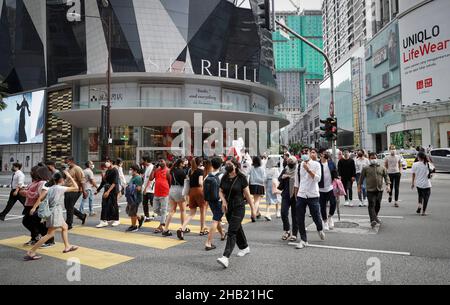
(441, 159)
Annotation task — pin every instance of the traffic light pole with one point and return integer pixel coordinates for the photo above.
(330, 70)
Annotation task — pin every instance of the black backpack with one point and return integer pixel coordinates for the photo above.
(211, 187)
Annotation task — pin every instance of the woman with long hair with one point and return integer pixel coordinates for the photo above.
(55, 197)
(421, 174)
(196, 199)
(176, 198)
(234, 194)
(110, 207)
(257, 177)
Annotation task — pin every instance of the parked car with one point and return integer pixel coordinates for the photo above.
(409, 159)
(441, 159)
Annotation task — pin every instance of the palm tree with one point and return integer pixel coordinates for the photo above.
(3, 94)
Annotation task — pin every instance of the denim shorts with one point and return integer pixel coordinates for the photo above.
(216, 209)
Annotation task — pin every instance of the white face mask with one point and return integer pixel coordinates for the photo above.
(373, 162)
(92, 166)
(108, 164)
(130, 173)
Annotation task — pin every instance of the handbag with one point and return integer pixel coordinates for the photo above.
(338, 188)
(44, 212)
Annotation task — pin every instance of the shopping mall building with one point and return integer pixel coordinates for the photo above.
(171, 61)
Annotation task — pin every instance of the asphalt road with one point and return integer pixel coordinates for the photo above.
(422, 243)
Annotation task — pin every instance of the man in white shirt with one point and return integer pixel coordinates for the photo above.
(147, 187)
(17, 182)
(308, 195)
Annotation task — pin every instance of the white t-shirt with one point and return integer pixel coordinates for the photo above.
(360, 164)
(147, 173)
(88, 175)
(327, 181)
(421, 170)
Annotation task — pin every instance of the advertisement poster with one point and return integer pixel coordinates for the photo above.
(425, 53)
(23, 119)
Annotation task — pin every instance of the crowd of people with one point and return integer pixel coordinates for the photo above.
(224, 185)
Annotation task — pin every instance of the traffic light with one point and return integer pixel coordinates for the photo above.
(264, 14)
(329, 129)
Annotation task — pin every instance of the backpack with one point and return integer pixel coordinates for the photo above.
(131, 193)
(44, 211)
(211, 187)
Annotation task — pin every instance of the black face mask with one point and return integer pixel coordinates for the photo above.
(291, 165)
(229, 168)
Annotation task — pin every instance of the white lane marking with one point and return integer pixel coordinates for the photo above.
(360, 250)
(367, 216)
(14, 217)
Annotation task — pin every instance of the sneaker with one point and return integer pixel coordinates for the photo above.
(132, 229)
(361, 204)
(102, 224)
(148, 219)
(2, 217)
(396, 204)
(31, 242)
(365, 202)
(141, 221)
(390, 199)
(83, 220)
(302, 244)
(243, 252)
(326, 227)
(166, 233)
(321, 235)
(346, 204)
(115, 223)
(47, 245)
(331, 223)
(378, 221)
(224, 261)
(351, 204)
(373, 224)
(268, 218)
(278, 214)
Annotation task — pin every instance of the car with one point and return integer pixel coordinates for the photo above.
(409, 158)
(441, 159)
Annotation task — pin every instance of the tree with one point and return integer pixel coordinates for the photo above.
(295, 148)
(3, 94)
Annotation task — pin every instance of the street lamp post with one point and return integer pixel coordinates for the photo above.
(330, 70)
(106, 115)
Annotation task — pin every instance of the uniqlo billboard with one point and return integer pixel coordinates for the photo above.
(425, 53)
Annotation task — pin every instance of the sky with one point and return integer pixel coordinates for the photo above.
(285, 5)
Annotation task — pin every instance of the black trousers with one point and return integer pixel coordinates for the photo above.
(235, 215)
(70, 199)
(424, 196)
(348, 185)
(33, 224)
(286, 204)
(11, 202)
(148, 197)
(395, 185)
(110, 208)
(374, 199)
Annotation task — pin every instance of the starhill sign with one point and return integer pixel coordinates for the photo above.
(227, 70)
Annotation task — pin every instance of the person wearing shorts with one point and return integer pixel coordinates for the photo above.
(176, 198)
(196, 199)
(134, 200)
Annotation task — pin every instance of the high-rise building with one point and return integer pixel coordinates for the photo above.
(383, 12)
(298, 66)
(347, 24)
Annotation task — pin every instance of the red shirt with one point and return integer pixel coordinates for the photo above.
(161, 183)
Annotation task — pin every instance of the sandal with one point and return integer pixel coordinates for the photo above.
(210, 248)
(293, 238)
(180, 234)
(286, 235)
(204, 232)
(187, 230)
(158, 231)
(31, 258)
(72, 249)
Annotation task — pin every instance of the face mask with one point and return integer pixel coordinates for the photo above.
(108, 164)
(92, 166)
(373, 162)
(13, 169)
(229, 168)
(291, 165)
(305, 158)
(130, 173)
